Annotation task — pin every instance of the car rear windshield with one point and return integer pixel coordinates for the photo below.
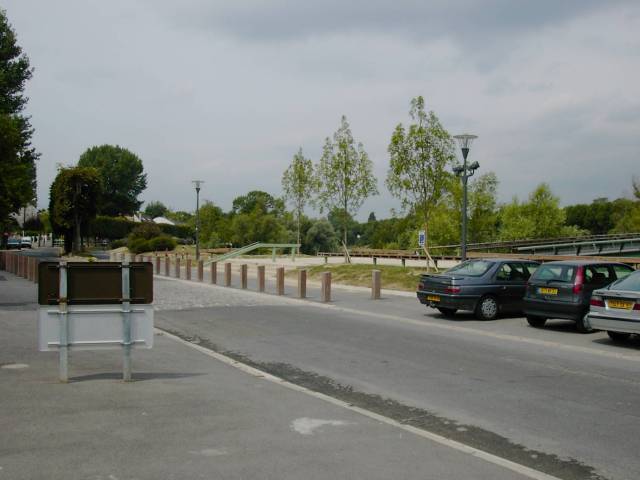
(472, 268)
(556, 273)
(630, 283)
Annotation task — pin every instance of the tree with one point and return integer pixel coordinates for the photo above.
(344, 175)
(73, 201)
(155, 209)
(298, 183)
(419, 157)
(122, 175)
(17, 156)
(257, 200)
(321, 237)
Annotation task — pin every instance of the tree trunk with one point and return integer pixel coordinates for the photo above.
(76, 234)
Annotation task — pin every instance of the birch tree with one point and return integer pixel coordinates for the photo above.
(344, 175)
(298, 184)
(419, 157)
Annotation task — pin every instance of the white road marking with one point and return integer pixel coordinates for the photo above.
(481, 454)
(306, 426)
(15, 366)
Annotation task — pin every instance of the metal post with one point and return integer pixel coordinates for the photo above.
(200, 270)
(463, 246)
(63, 348)
(167, 265)
(157, 265)
(273, 254)
(197, 184)
(126, 323)
(261, 278)
(177, 267)
(188, 269)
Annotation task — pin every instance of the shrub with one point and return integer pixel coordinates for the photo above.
(180, 231)
(146, 231)
(161, 243)
(122, 242)
(110, 228)
(138, 245)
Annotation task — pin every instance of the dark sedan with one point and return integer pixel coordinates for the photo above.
(484, 286)
(563, 290)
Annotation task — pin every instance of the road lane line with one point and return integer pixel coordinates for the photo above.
(461, 447)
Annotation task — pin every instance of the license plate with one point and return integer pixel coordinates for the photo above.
(433, 298)
(548, 291)
(621, 304)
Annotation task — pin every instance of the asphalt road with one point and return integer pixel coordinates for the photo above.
(555, 400)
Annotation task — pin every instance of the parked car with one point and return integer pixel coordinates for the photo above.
(25, 242)
(616, 308)
(484, 286)
(563, 290)
(13, 243)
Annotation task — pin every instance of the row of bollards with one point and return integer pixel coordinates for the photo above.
(20, 265)
(325, 277)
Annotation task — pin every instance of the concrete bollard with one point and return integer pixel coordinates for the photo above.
(280, 281)
(157, 265)
(177, 268)
(302, 284)
(375, 261)
(167, 266)
(188, 268)
(325, 293)
(261, 278)
(227, 274)
(375, 284)
(214, 273)
(404, 262)
(200, 270)
(243, 276)
(326, 259)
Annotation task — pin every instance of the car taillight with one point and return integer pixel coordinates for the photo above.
(596, 301)
(421, 286)
(636, 306)
(579, 282)
(453, 289)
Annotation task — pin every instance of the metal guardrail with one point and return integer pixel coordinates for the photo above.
(256, 246)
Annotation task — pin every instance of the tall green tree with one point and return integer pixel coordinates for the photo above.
(344, 175)
(419, 157)
(155, 209)
(298, 184)
(73, 201)
(122, 175)
(17, 155)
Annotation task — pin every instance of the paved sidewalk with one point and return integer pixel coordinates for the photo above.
(186, 416)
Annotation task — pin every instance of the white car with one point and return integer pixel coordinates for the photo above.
(25, 242)
(616, 308)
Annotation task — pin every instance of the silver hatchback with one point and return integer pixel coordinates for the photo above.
(616, 308)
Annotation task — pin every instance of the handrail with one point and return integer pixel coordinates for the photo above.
(250, 248)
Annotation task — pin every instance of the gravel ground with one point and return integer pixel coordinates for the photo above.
(172, 294)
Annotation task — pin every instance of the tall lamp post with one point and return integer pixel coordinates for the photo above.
(197, 184)
(465, 171)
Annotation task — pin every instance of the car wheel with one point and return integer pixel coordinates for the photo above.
(487, 308)
(536, 322)
(582, 326)
(618, 336)
(447, 312)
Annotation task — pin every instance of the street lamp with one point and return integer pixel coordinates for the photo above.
(197, 184)
(465, 171)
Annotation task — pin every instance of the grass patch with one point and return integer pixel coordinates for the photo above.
(393, 277)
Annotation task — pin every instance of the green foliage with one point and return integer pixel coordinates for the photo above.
(257, 201)
(540, 217)
(145, 230)
(179, 231)
(73, 198)
(110, 228)
(180, 217)
(162, 243)
(138, 245)
(17, 156)
(155, 209)
(321, 237)
(298, 184)
(344, 175)
(122, 176)
(419, 157)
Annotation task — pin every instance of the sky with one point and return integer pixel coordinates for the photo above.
(227, 91)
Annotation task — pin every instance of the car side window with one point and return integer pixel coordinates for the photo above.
(597, 275)
(518, 272)
(504, 272)
(622, 271)
(531, 268)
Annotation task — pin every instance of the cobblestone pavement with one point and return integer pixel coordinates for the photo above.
(172, 294)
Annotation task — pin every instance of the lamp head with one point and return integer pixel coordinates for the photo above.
(474, 166)
(458, 170)
(465, 140)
